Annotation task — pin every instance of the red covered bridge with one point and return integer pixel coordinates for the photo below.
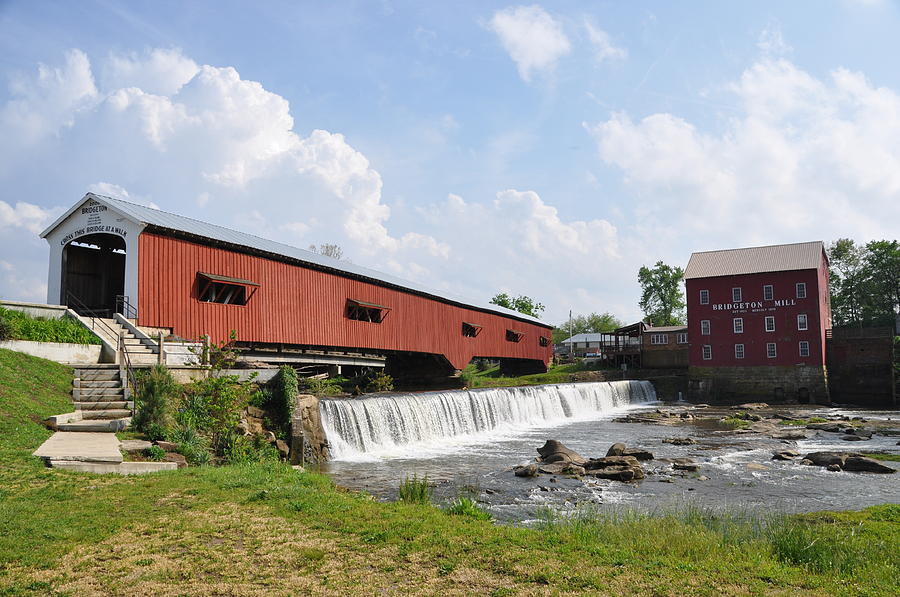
(195, 278)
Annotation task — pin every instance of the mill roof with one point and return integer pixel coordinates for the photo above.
(755, 260)
(168, 222)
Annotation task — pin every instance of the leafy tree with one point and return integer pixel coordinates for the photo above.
(522, 304)
(581, 324)
(865, 282)
(662, 299)
(328, 250)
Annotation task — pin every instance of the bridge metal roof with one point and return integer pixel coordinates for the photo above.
(204, 230)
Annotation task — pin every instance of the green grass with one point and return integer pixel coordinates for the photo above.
(492, 378)
(802, 422)
(266, 528)
(735, 423)
(414, 490)
(20, 326)
(882, 456)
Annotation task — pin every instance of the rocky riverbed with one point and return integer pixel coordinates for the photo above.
(788, 458)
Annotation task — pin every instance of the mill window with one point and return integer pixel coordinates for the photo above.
(738, 325)
(771, 351)
(736, 295)
(704, 297)
(801, 289)
(704, 327)
(768, 292)
(682, 338)
(770, 323)
(804, 348)
(802, 322)
(738, 351)
(707, 352)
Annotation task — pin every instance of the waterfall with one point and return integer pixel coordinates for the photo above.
(360, 427)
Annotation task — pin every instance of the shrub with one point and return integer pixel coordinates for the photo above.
(240, 449)
(380, 382)
(156, 453)
(193, 446)
(214, 405)
(156, 390)
(6, 328)
(415, 490)
(323, 387)
(286, 390)
(466, 506)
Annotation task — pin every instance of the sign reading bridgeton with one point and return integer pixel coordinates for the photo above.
(754, 305)
(93, 212)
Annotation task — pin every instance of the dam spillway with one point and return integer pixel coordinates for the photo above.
(373, 426)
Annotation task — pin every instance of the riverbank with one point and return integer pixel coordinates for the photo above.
(269, 529)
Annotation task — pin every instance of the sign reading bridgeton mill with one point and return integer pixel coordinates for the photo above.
(93, 213)
(754, 306)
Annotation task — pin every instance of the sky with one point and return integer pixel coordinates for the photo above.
(546, 149)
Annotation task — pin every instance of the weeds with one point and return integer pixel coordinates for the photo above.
(15, 325)
(415, 491)
(156, 453)
(466, 506)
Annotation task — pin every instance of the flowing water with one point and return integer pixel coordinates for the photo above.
(467, 441)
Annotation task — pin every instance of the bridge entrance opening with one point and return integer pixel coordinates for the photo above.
(93, 274)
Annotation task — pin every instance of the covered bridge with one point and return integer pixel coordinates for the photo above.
(194, 278)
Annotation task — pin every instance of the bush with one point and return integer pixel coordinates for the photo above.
(193, 446)
(415, 490)
(286, 390)
(214, 405)
(323, 387)
(380, 382)
(6, 328)
(156, 391)
(466, 506)
(239, 449)
(156, 453)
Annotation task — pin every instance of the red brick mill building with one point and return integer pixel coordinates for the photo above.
(757, 321)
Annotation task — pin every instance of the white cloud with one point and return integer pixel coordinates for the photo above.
(534, 39)
(603, 47)
(771, 42)
(28, 216)
(158, 71)
(805, 159)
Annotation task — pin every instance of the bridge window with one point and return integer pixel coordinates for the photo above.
(470, 330)
(544, 341)
(513, 336)
(225, 290)
(363, 311)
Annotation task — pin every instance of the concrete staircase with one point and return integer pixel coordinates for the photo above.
(101, 398)
(141, 351)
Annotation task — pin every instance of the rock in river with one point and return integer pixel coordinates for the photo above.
(527, 470)
(554, 451)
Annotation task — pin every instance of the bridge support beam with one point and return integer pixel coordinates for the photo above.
(419, 370)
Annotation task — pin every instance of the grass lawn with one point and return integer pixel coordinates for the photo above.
(491, 377)
(266, 529)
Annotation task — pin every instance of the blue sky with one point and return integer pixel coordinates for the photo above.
(547, 149)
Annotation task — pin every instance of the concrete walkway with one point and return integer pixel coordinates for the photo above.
(89, 452)
(81, 446)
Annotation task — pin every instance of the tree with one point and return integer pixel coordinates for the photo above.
(590, 324)
(847, 281)
(865, 282)
(328, 250)
(662, 299)
(522, 304)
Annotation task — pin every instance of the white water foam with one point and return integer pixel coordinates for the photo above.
(434, 423)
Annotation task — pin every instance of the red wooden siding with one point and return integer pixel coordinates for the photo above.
(296, 305)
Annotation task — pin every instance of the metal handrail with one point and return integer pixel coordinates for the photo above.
(124, 307)
(120, 341)
(83, 309)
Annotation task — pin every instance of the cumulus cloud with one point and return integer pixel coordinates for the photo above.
(806, 158)
(28, 216)
(158, 71)
(532, 38)
(604, 49)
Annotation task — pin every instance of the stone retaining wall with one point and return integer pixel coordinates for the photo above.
(56, 351)
(758, 384)
(308, 442)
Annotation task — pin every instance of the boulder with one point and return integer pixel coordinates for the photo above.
(827, 458)
(867, 465)
(527, 470)
(554, 451)
(167, 446)
(177, 458)
(618, 473)
(789, 434)
(830, 427)
(687, 416)
(785, 455)
(608, 461)
(133, 446)
(680, 441)
(616, 449)
(638, 453)
(853, 438)
(834, 468)
(691, 467)
(243, 427)
(270, 437)
(750, 406)
(255, 412)
(283, 448)
(755, 466)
